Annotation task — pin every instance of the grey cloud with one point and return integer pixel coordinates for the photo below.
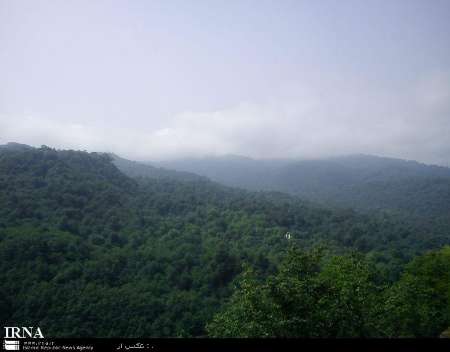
(165, 79)
(305, 126)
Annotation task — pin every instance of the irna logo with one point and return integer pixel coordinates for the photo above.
(13, 332)
(10, 345)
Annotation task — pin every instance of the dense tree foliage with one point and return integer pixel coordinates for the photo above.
(136, 169)
(419, 303)
(418, 193)
(87, 251)
(313, 295)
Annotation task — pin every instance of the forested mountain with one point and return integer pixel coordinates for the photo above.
(357, 181)
(11, 146)
(87, 251)
(231, 170)
(136, 169)
(419, 192)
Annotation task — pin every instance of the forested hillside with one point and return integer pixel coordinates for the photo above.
(87, 251)
(231, 170)
(136, 169)
(419, 193)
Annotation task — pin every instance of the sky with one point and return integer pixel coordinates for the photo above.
(153, 80)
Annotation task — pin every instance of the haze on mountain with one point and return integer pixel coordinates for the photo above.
(249, 168)
(415, 192)
(188, 257)
(358, 181)
(158, 80)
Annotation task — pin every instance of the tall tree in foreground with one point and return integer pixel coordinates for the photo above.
(419, 303)
(318, 295)
(312, 295)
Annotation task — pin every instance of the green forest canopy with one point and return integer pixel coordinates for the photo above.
(87, 251)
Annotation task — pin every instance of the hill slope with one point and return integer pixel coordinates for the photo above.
(136, 169)
(419, 192)
(78, 239)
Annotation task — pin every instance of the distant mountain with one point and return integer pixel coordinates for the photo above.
(14, 146)
(367, 182)
(79, 238)
(363, 182)
(128, 167)
(416, 191)
(136, 169)
(231, 170)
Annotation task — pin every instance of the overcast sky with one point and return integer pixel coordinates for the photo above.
(152, 80)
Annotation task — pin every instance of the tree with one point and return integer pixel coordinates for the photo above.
(312, 295)
(419, 303)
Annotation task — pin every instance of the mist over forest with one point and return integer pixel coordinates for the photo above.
(239, 169)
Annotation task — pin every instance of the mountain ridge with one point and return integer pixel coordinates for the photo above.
(79, 233)
(346, 181)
